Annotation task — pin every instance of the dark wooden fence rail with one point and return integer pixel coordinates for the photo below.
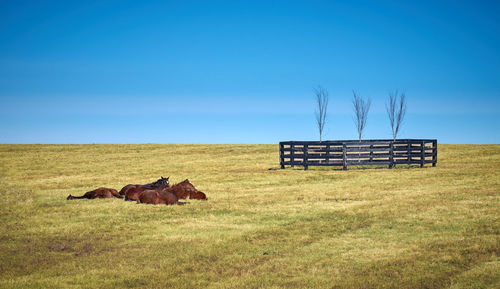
(354, 153)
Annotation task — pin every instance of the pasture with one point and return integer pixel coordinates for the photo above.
(261, 227)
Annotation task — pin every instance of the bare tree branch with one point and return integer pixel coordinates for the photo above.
(396, 111)
(361, 108)
(320, 113)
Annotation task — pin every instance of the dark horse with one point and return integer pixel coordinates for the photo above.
(132, 192)
(99, 193)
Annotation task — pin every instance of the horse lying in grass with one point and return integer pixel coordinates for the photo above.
(186, 190)
(158, 192)
(171, 195)
(157, 197)
(99, 193)
(132, 192)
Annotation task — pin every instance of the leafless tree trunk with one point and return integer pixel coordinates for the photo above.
(361, 108)
(396, 111)
(322, 102)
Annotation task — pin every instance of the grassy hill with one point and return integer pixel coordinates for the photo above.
(262, 227)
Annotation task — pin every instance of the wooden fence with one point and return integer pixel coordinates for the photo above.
(355, 153)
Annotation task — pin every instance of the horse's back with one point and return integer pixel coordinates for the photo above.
(147, 197)
(133, 193)
(124, 190)
(168, 197)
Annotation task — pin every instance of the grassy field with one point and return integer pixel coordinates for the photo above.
(262, 227)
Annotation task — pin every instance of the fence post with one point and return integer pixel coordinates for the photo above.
(434, 152)
(292, 154)
(344, 156)
(328, 153)
(282, 156)
(408, 151)
(391, 155)
(305, 157)
(371, 153)
(422, 154)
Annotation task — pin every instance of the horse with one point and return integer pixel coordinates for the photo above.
(98, 193)
(131, 192)
(156, 197)
(186, 190)
(159, 183)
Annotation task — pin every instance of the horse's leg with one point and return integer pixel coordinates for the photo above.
(70, 197)
(89, 195)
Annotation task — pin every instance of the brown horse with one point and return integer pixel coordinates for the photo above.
(131, 192)
(156, 197)
(99, 193)
(186, 190)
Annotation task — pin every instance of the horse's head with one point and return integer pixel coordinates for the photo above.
(198, 195)
(162, 182)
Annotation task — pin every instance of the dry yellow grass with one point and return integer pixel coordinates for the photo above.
(261, 228)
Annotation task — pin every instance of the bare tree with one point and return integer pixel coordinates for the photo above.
(396, 111)
(322, 102)
(361, 108)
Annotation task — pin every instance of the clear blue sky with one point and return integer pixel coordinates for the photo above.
(244, 71)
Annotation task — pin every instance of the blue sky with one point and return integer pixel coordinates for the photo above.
(245, 71)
